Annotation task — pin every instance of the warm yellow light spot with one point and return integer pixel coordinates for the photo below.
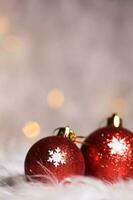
(31, 129)
(11, 43)
(119, 105)
(4, 25)
(55, 98)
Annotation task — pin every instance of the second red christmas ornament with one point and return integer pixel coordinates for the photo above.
(108, 152)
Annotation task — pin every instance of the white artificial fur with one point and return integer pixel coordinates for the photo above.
(81, 188)
(13, 185)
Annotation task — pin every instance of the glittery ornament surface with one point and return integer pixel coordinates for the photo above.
(108, 154)
(54, 158)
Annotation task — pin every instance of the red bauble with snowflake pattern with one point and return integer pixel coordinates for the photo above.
(108, 152)
(54, 158)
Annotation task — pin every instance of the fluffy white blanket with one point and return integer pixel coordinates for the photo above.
(14, 187)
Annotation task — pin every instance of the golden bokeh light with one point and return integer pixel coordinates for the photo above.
(31, 129)
(55, 98)
(11, 43)
(4, 25)
(119, 105)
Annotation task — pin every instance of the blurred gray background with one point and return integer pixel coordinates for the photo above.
(62, 63)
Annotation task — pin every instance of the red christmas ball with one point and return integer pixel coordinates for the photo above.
(108, 152)
(53, 159)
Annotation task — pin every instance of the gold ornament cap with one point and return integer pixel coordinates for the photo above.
(114, 121)
(68, 133)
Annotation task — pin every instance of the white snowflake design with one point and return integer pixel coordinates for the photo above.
(57, 157)
(117, 146)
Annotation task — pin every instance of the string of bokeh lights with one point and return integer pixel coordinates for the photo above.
(10, 45)
(55, 100)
